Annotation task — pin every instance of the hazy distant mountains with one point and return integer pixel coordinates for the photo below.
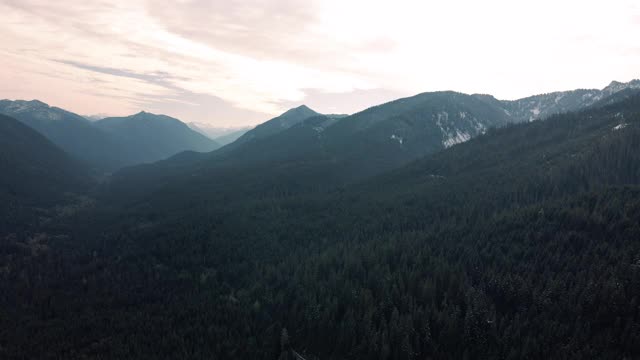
(370, 141)
(110, 143)
(150, 137)
(232, 136)
(222, 136)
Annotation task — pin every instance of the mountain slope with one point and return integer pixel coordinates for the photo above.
(395, 133)
(149, 137)
(71, 132)
(34, 173)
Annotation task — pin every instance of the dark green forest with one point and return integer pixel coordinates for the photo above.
(522, 243)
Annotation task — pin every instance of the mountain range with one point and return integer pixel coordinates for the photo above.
(111, 143)
(325, 151)
(442, 225)
(399, 131)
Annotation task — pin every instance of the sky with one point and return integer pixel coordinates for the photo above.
(230, 63)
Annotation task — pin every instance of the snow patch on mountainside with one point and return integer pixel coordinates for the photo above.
(457, 138)
(397, 138)
(620, 127)
(480, 127)
(535, 113)
(440, 118)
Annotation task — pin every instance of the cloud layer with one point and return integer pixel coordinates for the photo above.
(233, 63)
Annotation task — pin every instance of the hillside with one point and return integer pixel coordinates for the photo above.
(35, 174)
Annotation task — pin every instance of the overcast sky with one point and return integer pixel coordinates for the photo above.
(234, 63)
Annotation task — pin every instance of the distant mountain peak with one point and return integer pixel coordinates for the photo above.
(143, 114)
(147, 116)
(278, 124)
(302, 109)
(616, 86)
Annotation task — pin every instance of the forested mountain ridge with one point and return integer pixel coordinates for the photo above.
(400, 131)
(350, 148)
(520, 243)
(35, 175)
(292, 159)
(323, 151)
(410, 135)
(280, 123)
(544, 105)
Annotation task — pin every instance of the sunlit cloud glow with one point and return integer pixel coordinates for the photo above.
(233, 63)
